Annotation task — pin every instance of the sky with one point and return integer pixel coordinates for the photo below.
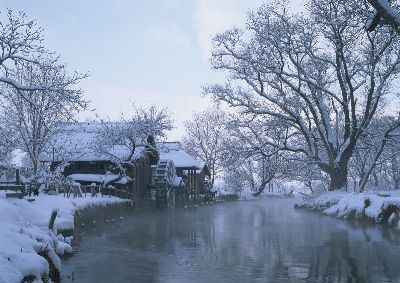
(139, 51)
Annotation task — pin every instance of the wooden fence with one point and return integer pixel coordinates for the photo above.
(28, 189)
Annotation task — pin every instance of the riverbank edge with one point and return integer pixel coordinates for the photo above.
(98, 207)
(30, 250)
(62, 234)
(377, 207)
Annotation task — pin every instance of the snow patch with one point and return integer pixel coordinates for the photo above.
(378, 207)
(24, 233)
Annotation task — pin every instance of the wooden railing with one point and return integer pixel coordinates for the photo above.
(12, 189)
(20, 190)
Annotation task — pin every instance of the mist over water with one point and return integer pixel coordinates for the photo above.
(245, 241)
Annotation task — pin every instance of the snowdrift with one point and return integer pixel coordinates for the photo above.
(376, 207)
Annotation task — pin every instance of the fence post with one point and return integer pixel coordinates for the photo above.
(76, 190)
(93, 190)
(17, 177)
(69, 190)
(52, 218)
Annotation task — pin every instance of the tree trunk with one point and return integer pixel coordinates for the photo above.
(309, 185)
(376, 180)
(212, 175)
(338, 178)
(262, 186)
(378, 155)
(396, 183)
(35, 167)
(362, 176)
(260, 189)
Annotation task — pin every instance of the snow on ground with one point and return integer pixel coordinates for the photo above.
(38, 212)
(24, 233)
(374, 206)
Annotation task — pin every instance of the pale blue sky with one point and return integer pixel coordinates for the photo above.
(153, 51)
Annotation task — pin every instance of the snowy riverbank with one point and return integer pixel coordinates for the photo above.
(27, 246)
(375, 206)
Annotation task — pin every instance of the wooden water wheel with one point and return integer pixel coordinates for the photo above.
(165, 175)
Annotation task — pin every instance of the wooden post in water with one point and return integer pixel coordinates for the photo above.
(53, 218)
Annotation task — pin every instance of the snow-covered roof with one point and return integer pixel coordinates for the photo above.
(75, 143)
(174, 152)
(99, 178)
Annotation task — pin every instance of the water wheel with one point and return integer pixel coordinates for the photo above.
(165, 175)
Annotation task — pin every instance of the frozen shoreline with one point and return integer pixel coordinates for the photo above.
(25, 234)
(373, 206)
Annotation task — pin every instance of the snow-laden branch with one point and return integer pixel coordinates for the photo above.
(21, 47)
(383, 10)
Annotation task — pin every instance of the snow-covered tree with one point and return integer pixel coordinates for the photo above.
(384, 10)
(6, 146)
(134, 129)
(321, 74)
(248, 154)
(255, 172)
(119, 139)
(300, 170)
(391, 168)
(22, 51)
(153, 120)
(376, 154)
(32, 119)
(205, 137)
(21, 44)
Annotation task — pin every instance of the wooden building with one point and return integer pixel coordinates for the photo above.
(192, 173)
(134, 180)
(74, 147)
(86, 166)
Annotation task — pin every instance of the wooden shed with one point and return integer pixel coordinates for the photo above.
(191, 172)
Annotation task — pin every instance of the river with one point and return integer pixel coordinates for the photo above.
(244, 241)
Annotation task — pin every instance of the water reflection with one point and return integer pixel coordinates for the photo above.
(249, 241)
